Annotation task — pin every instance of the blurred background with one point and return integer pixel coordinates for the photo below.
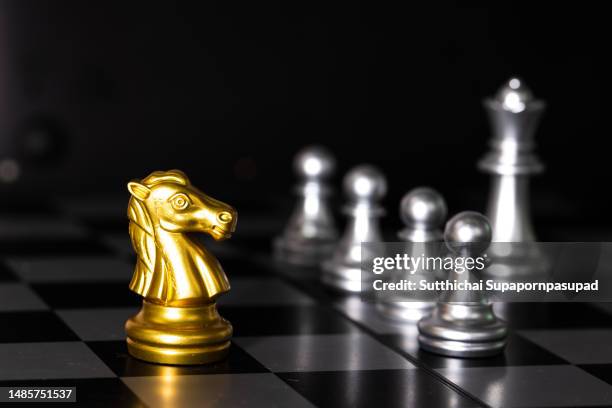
(93, 94)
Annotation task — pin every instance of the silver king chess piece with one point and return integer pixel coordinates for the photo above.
(423, 212)
(463, 323)
(364, 187)
(310, 235)
(514, 114)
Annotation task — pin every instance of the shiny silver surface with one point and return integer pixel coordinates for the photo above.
(310, 234)
(514, 114)
(404, 310)
(364, 187)
(314, 162)
(422, 210)
(463, 323)
(365, 184)
(509, 209)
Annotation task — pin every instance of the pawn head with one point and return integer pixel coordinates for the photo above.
(423, 207)
(468, 234)
(365, 182)
(314, 162)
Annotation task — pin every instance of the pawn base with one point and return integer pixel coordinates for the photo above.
(405, 311)
(480, 335)
(460, 348)
(344, 278)
(178, 335)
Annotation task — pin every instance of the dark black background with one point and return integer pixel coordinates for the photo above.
(229, 92)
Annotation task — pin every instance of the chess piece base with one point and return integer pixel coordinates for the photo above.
(405, 311)
(178, 335)
(344, 278)
(461, 349)
(458, 330)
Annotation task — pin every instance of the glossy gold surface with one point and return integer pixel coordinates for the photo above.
(175, 274)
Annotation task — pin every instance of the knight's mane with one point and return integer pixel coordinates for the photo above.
(142, 233)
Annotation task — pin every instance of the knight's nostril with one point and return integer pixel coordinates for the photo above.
(225, 216)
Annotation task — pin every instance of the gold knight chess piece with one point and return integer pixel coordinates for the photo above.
(177, 277)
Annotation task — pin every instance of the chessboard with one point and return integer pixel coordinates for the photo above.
(64, 299)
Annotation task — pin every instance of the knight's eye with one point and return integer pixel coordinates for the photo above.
(179, 202)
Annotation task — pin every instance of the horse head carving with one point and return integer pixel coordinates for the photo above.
(172, 267)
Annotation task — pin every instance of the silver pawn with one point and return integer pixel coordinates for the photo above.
(310, 234)
(463, 323)
(364, 186)
(423, 211)
(514, 114)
